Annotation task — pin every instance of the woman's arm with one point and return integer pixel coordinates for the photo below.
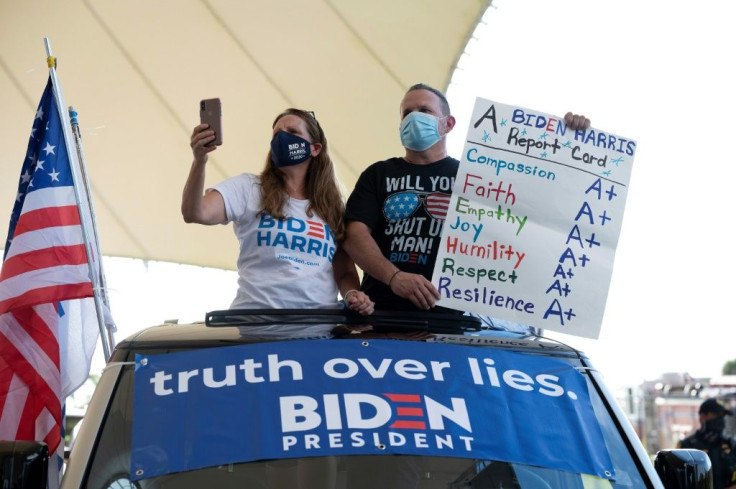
(196, 207)
(346, 277)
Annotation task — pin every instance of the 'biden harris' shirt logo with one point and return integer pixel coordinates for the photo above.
(307, 237)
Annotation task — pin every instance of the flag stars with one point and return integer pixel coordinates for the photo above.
(39, 165)
(54, 175)
(49, 149)
(39, 113)
(25, 177)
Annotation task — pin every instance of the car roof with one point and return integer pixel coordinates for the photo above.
(224, 328)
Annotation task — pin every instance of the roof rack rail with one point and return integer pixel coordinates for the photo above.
(430, 322)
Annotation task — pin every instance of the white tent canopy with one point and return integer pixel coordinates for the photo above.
(136, 70)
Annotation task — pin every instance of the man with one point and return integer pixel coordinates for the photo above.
(710, 438)
(396, 211)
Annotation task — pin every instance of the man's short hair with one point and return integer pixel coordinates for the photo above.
(443, 100)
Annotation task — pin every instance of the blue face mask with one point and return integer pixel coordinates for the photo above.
(289, 149)
(420, 131)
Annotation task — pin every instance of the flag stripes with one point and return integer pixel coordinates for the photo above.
(31, 348)
(48, 217)
(36, 240)
(26, 296)
(45, 262)
(43, 259)
(437, 204)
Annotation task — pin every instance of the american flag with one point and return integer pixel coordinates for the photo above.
(44, 278)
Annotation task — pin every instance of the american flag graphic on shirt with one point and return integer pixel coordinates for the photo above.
(402, 205)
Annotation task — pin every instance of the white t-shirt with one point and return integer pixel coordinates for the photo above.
(282, 264)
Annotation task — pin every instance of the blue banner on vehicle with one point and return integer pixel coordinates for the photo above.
(347, 397)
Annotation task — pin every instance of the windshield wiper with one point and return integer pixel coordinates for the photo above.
(380, 320)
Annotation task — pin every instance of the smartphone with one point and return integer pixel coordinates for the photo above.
(210, 112)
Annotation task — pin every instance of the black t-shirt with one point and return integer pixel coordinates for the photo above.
(405, 206)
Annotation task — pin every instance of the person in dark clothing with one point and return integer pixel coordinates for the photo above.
(710, 438)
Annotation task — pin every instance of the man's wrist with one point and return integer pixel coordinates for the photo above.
(392, 278)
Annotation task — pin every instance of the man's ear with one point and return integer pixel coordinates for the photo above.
(316, 149)
(449, 123)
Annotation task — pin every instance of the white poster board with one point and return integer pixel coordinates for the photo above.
(534, 220)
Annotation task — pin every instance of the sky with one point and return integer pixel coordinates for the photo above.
(655, 72)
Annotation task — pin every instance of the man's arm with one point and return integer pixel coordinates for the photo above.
(365, 252)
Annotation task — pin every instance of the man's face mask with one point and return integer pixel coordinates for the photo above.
(716, 425)
(420, 131)
(712, 429)
(289, 149)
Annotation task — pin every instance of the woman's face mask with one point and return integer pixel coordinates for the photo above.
(420, 131)
(289, 149)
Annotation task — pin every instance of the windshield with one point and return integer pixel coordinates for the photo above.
(111, 463)
(370, 472)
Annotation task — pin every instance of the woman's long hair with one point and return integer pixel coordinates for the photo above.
(321, 187)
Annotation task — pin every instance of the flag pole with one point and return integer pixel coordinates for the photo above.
(73, 117)
(84, 217)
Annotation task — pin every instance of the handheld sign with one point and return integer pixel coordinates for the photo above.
(534, 220)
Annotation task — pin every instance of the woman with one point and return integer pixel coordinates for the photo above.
(289, 220)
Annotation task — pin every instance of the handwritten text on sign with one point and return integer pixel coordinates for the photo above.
(534, 220)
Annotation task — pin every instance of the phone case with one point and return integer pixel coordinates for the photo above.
(210, 112)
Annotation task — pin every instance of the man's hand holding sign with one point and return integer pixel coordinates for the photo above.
(535, 215)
